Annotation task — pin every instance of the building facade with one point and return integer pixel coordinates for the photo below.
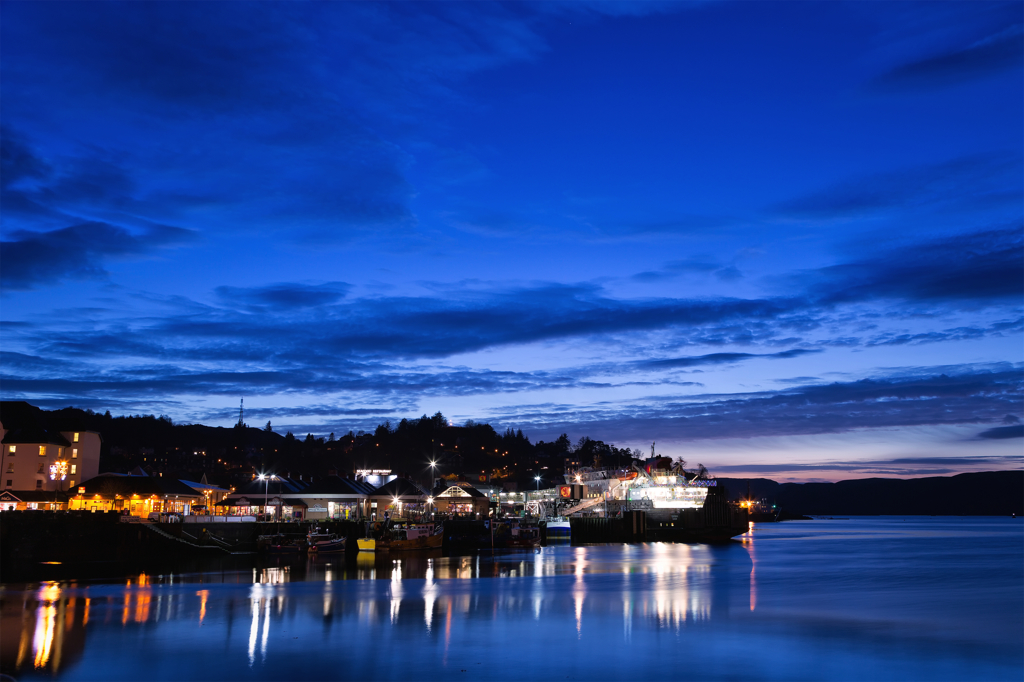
(36, 459)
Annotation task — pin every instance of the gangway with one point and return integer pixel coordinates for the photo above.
(585, 504)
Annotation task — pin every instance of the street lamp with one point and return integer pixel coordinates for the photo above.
(266, 492)
(59, 472)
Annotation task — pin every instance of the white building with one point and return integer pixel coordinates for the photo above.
(35, 459)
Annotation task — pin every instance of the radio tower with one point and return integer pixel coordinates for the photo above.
(241, 411)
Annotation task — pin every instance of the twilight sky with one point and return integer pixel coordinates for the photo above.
(781, 239)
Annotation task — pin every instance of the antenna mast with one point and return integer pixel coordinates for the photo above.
(241, 411)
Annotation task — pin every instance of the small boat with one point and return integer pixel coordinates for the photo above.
(369, 543)
(399, 535)
(278, 544)
(324, 543)
(558, 528)
(521, 537)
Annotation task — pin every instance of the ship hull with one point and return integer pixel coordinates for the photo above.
(428, 542)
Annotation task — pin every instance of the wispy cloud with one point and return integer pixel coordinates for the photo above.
(976, 178)
(1002, 432)
(285, 296)
(966, 269)
(992, 54)
(34, 259)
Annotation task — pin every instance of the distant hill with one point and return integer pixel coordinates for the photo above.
(989, 493)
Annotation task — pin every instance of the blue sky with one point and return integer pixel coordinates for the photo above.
(776, 238)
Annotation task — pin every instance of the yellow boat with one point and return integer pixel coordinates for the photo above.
(366, 544)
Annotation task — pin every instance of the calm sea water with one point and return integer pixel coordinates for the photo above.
(857, 599)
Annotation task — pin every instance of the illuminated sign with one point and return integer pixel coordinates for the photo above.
(564, 491)
(58, 470)
(373, 472)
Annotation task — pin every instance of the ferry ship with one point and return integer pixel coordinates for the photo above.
(679, 505)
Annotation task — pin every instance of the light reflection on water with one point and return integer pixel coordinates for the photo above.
(935, 599)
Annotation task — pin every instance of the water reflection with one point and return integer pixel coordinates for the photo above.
(665, 583)
(366, 614)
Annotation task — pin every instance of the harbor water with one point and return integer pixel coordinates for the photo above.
(881, 598)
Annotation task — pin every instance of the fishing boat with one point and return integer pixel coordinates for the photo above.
(399, 535)
(278, 544)
(324, 543)
(558, 528)
(521, 536)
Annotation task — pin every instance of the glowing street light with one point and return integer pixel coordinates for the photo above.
(537, 478)
(266, 492)
(59, 471)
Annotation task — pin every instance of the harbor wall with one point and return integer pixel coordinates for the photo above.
(34, 543)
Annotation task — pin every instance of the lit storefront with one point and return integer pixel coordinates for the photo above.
(462, 500)
(134, 495)
(33, 500)
(336, 498)
(400, 497)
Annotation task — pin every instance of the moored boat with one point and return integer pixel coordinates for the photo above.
(279, 544)
(522, 536)
(400, 535)
(558, 528)
(325, 543)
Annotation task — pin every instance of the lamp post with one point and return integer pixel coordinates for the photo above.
(266, 493)
(537, 479)
(58, 473)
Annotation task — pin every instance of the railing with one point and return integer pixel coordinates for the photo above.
(219, 546)
(202, 518)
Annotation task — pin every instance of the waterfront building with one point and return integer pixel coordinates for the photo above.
(37, 459)
(400, 497)
(461, 499)
(134, 495)
(375, 477)
(337, 498)
(31, 500)
(277, 497)
(212, 494)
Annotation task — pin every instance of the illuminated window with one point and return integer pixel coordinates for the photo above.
(12, 449)
(74, 453)
(75, 439)
(42, 451)
(74, 468)
(72, 483)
